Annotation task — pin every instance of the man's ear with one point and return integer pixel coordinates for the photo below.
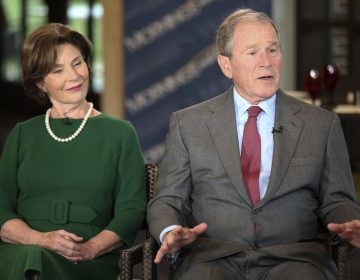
(224, 63)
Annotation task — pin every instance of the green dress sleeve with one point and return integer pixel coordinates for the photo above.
(8, 176)
(131, 198)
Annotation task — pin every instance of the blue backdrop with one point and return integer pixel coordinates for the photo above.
(170, 60)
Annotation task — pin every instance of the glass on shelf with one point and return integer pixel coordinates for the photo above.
(331, 78)
(313, 84)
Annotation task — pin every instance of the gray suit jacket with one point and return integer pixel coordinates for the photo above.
(200, 181)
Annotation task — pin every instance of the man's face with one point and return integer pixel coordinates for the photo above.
(255, 63)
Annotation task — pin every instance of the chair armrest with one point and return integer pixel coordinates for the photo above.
(149, 252)
(342, 257)
(143, 252)
(128, 258)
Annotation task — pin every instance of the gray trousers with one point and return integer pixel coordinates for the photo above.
(252, 265)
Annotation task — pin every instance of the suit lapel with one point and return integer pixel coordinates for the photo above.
(284, 143)
(222, 127)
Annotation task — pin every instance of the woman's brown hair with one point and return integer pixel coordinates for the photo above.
(39, 54)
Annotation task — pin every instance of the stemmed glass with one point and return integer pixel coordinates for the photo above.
(331, 78)
(313, 84)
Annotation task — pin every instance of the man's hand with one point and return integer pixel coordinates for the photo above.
(177, 238)
(349, 231)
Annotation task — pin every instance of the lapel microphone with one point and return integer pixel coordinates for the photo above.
(66, 121)
(277, 130)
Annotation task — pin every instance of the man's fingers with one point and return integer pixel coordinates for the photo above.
(178, 231)
(349, 231)
(180, 235)
(333, 227)
(200, 228)
(160, 253)
(336, 228)
(184, 233)
(177, 238)
(345, 227)
(158, 257)
(355, 225)
(192, 233)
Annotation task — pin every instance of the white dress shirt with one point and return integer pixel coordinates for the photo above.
(265, 124)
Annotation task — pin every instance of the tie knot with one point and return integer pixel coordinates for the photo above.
(254, 111)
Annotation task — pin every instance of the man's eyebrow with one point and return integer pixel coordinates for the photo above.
(254, 46)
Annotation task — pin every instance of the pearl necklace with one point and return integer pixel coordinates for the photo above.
(76, 133)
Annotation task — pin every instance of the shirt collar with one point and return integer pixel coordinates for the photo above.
(241, 105)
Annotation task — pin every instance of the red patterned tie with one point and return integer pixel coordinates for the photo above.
(251, 154)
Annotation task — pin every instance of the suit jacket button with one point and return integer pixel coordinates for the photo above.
(256, 211)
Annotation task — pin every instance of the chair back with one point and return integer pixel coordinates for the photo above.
(152, 174)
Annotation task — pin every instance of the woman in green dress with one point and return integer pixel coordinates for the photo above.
(72, 184)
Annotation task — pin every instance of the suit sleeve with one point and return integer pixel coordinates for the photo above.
(337, 192)
(171, 204)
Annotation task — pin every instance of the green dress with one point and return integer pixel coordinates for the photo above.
(94, 182)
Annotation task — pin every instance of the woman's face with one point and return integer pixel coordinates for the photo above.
(68, 81)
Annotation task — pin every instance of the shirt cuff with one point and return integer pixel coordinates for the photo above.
(166, 230)
(169, 258)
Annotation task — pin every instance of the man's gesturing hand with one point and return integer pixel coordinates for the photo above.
(349, 231)
(177, 238)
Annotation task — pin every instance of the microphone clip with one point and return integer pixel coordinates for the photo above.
(66, 121)
(277, 130)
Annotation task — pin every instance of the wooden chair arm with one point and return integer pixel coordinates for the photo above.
(141, 253)
(342, 257)
(149, 252)
(128, 258)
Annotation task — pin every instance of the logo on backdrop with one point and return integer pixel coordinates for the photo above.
(170, 61)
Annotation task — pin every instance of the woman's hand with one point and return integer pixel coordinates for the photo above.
(71, 247)
(88, 251)
(102, 243)
(64, 243)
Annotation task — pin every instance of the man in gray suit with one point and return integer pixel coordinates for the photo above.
(203, 215)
